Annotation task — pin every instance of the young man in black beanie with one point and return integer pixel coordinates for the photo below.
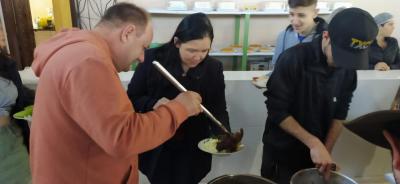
(308, 96)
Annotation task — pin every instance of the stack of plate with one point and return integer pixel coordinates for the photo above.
(203, 6)
(274, 6)
(177, 6)
(227, 6)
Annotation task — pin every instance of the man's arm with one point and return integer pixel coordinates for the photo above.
(319, 154)
(333, 134)
(95, 99)
(342, 108)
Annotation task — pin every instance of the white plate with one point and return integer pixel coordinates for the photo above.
(260, 82)
(209, 145)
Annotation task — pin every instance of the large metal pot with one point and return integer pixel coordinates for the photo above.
(313, 176)
(240, 179)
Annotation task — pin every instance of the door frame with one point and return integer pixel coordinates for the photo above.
(19, 29)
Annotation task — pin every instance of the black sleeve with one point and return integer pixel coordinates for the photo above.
(344, 100)
(372, 58)
(25, 98)
(396, 64)
(138, 90)
(281, 88)
(217, 105)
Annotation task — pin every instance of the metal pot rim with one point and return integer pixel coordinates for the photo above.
(315, 169)
(233, 175)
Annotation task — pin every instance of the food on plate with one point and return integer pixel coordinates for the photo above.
(228, 49)
(251, 50)
(265, 49)
(210, 145)
(230, 142)
(237, 46)
(255, 45)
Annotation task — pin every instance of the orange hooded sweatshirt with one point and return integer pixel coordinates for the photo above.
(84, 129)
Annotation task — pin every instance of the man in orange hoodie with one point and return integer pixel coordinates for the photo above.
(84, 128)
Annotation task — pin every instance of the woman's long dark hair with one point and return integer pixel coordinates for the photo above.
(8, 70)
(192, 27)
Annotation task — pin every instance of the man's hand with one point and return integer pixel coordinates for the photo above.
(321, 158)
(382, 66)
(318, 152)
(162, 101)
(191, 100)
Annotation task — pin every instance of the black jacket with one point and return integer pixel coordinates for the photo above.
(302, 85)
(8, 70)
(148, 86)
(390, 55)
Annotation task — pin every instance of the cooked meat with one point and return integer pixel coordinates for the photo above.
(230, 142)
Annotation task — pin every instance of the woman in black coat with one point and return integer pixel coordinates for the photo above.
(179, 161)
(384, 53)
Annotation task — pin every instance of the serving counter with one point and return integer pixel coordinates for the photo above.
(246, 107)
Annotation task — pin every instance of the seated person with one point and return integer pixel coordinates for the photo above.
(384, 51)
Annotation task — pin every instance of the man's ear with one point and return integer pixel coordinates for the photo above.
(128, 31)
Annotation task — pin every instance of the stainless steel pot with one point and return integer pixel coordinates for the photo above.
(240, 179)
(312, 176)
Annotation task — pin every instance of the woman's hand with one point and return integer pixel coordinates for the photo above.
(382, 66)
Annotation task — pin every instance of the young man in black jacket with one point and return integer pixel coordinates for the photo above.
(308, 96)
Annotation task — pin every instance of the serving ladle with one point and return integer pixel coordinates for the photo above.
(228, 141)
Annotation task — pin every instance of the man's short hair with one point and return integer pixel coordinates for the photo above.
(303, 3)
(125, 13)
